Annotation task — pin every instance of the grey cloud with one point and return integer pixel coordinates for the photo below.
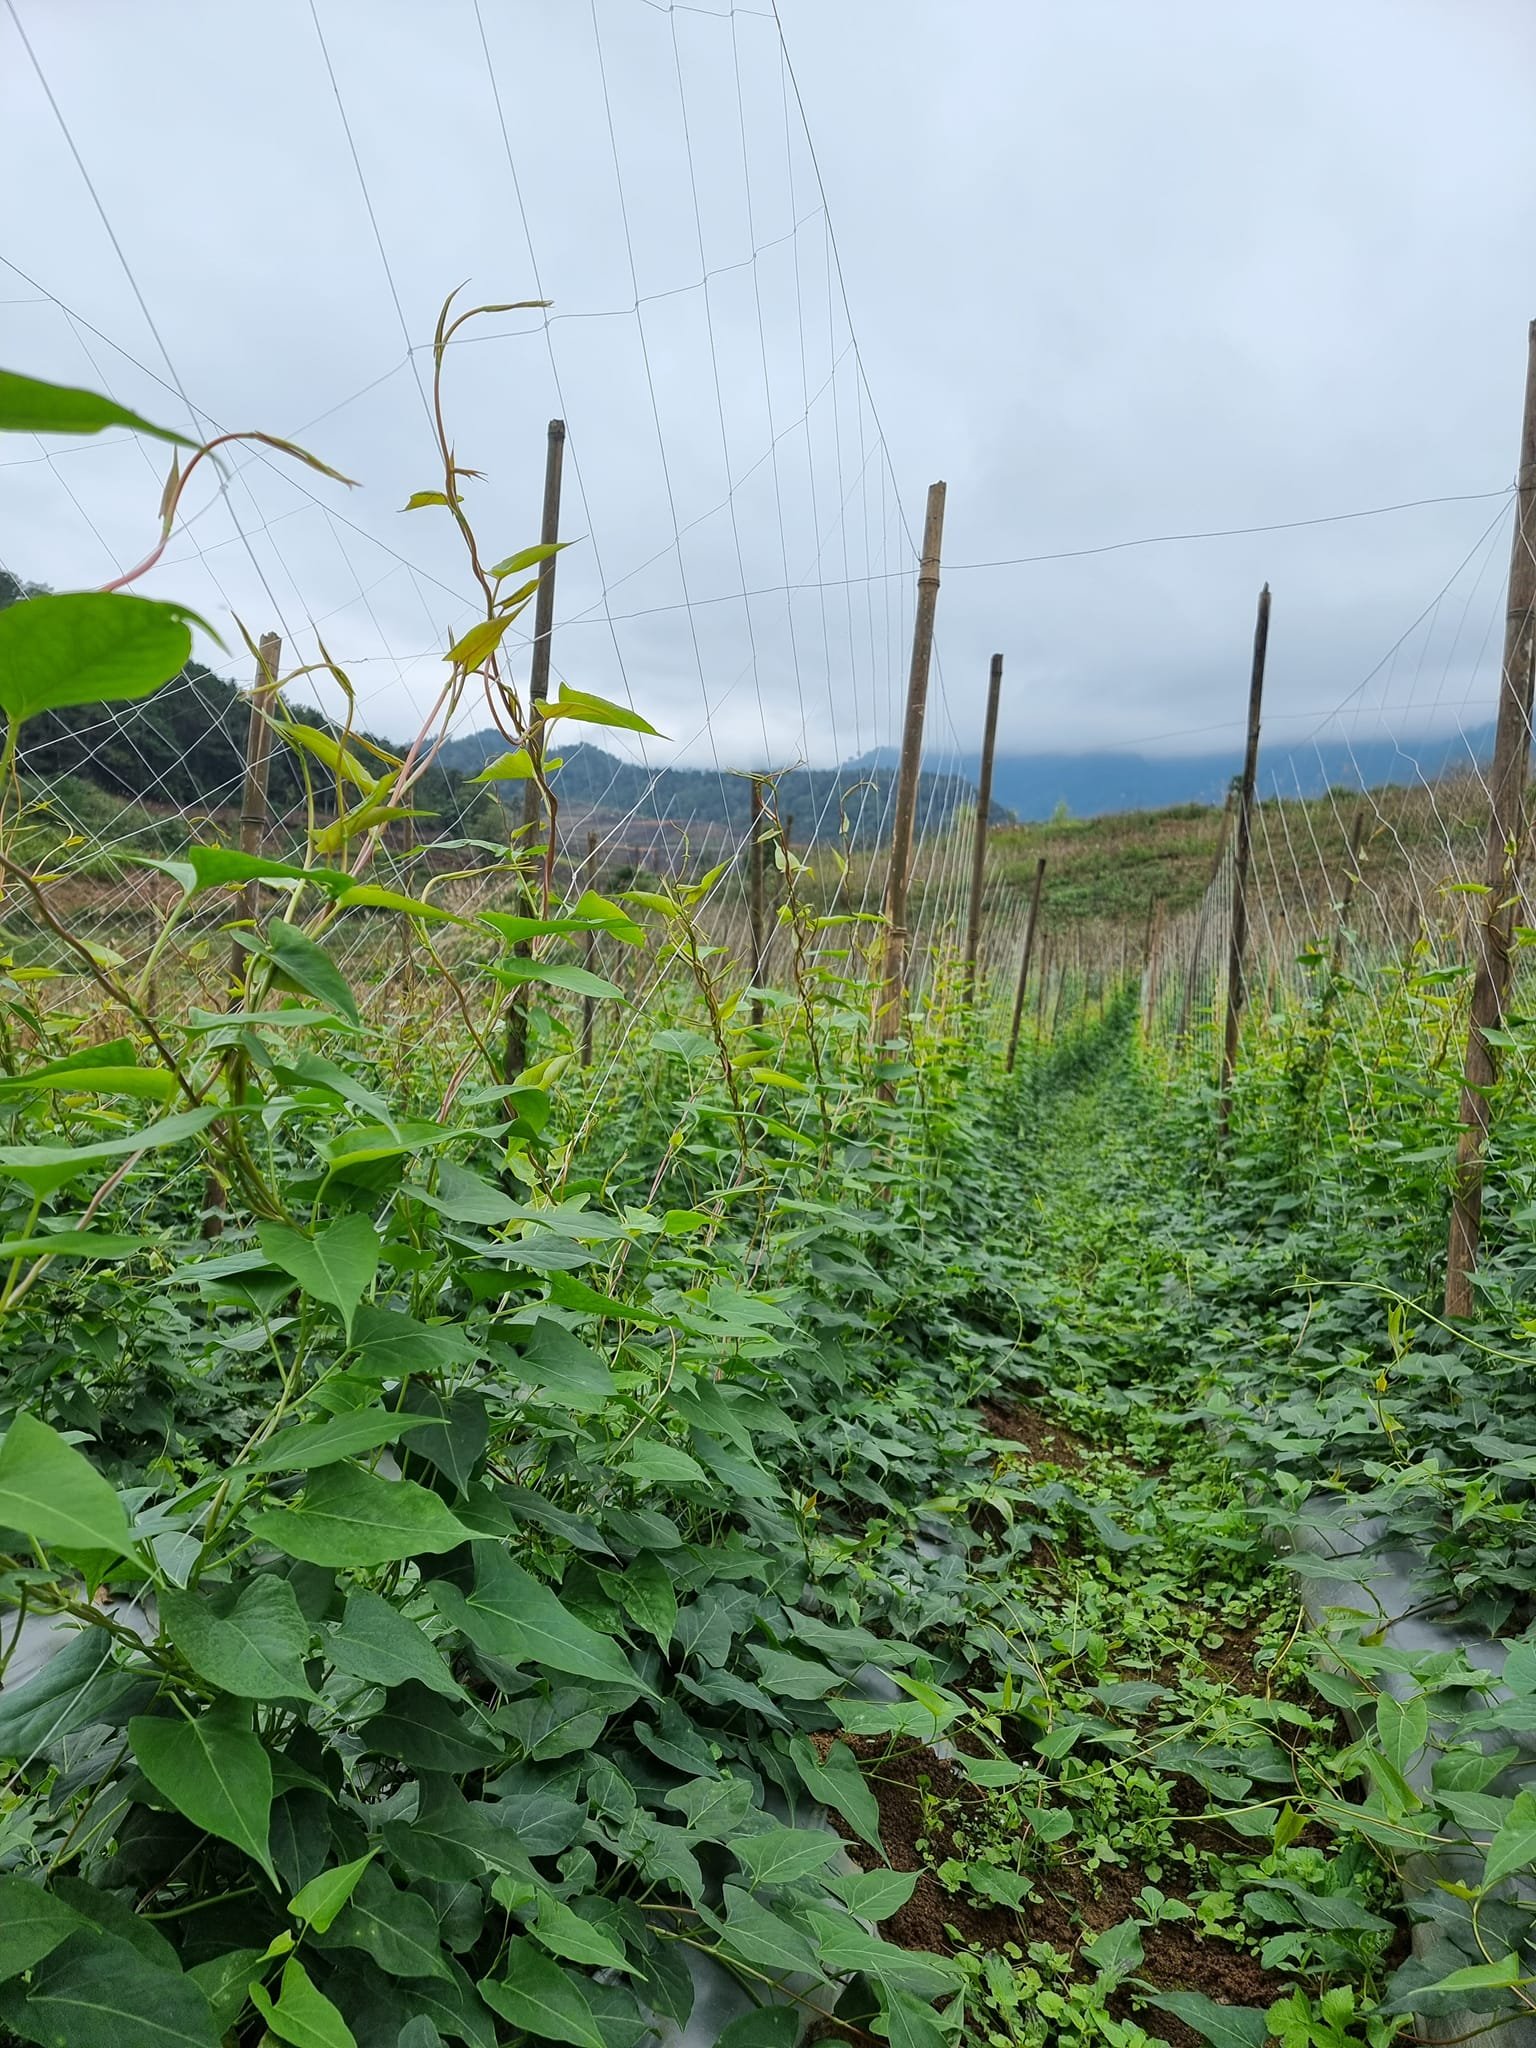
(1113, 270)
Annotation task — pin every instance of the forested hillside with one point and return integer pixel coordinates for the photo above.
(184, 748)
(825, 801)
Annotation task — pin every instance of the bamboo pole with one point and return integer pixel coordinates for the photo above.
(1506, 834)
(899, 879)
(254, 810)
(544, 602)
(1029, 947)
(983, 811)
(1237, 951)
(258, 776)
(588, 1004)
(538, 695)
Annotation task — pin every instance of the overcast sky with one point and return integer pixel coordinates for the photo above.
(1111, 270)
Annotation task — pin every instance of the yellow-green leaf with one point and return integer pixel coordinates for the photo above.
(589, 710)
(528, 558)
(367, 817)
(479, 643)
(318, 1902)
(515, 768)
(327, 748)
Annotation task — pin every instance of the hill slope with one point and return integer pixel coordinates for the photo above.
(817, 800)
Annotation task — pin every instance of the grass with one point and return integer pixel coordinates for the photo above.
(1108, 872)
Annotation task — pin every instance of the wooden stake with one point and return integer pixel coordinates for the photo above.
(1236, 955)
(516, 1055)
(588, 1004)
(544, 600)
(899, 879)
(756, 892)
(1506, 834)
(983, 809)
(1029, 947)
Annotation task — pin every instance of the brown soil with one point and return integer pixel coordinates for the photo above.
(1236, 1661)
(1067, 1905)
(1048, 1441)
(1069, 1902)
(1215, 1837)
(1177, 1960)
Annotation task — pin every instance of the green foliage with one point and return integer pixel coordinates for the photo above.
(29, 406)
(488, 1548)
(87, 647)
(49, 1493)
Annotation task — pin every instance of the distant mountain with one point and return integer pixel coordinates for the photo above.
(1091, 784)
(184, 748)
(703, 800)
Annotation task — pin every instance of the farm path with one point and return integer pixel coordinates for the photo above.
(1134, 1842)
